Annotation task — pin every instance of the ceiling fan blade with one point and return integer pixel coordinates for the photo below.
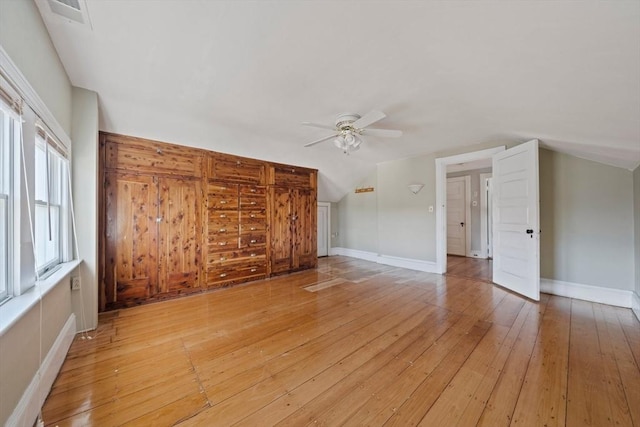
(384, 133)
(320, 140)
(369, 118)
(316, 125)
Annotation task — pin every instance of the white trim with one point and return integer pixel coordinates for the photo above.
(334, 251)
(484, 207)
(354, 253)
(441, 199)
(26, 411)
(598, 294)
(328, 206)
(408, 263)
(635, 305)
(31, 97)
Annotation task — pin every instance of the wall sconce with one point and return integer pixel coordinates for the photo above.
(415, 188)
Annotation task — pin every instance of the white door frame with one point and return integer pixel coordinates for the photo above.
(485, 209)
(328, 206)
(441, 199)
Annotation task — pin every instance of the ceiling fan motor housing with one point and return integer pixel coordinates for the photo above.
(344, 121)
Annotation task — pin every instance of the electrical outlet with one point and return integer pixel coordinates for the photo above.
(75, 283)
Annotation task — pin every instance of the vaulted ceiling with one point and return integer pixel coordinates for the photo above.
(240, 76)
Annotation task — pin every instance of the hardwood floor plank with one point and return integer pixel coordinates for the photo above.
(542, 399)
(499, 408)
(616, 370)
(380, 346)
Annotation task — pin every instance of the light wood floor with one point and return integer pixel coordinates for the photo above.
(472, 268)
(355, 343)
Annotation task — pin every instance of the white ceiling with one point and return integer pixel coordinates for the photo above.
(240, 76)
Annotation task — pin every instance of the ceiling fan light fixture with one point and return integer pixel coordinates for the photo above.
(348, 142)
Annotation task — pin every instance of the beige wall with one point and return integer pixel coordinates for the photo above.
(586, 217)
(358, 218)
(84, 167)
(24, 37)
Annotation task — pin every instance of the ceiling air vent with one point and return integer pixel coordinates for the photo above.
(69, 9)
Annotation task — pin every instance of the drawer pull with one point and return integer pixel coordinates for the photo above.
(223, 202)
(238, 163)
(253, 270)
(223, 258)
(253, 254)
(222, 230)
(223, 275)
(252, 216)
(253, 190)
(223, 215)
(253, 229)
(253, 203)
(222, 243)
(253, 241)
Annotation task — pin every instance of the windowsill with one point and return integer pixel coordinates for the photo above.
(12, 310)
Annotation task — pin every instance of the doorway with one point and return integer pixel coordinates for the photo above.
(442, 166)
(324, 228)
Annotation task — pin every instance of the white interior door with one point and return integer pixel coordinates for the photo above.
(323, 241)
(516, 224)
(456, 216)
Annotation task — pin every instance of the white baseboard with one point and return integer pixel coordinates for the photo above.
(411, 264)
(408, 263)
(598, 294)
(27, 410)
(354, 253)
(635, 304)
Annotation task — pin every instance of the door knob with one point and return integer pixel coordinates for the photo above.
(529, 231)
(462, 224)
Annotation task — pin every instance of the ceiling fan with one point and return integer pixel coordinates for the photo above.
(350, 126)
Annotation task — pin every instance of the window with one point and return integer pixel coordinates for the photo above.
(6, 137)
(50, 196)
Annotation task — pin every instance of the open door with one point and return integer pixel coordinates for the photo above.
(516, 223)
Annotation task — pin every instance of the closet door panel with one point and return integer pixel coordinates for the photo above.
(180, 234)
(281, 232)
(305, 245)
(131, 237)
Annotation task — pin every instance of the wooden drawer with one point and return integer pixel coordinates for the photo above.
(253, 255)
(251, 240)
(250, 190)
(291, 176)
(222, 242)
(142, 156)
(236, 169)
(253, 227)
(222, 201)
(222, 218)
(221, 228)
(222, 189)
(252, 202)
(253, 216)
(218, 276)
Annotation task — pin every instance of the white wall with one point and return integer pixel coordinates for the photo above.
(24, 37)
(26, 342)
(84, 167)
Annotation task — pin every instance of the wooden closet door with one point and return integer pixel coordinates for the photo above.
(131, 238)
(281, 229)
(305, 213)
(180, 234)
